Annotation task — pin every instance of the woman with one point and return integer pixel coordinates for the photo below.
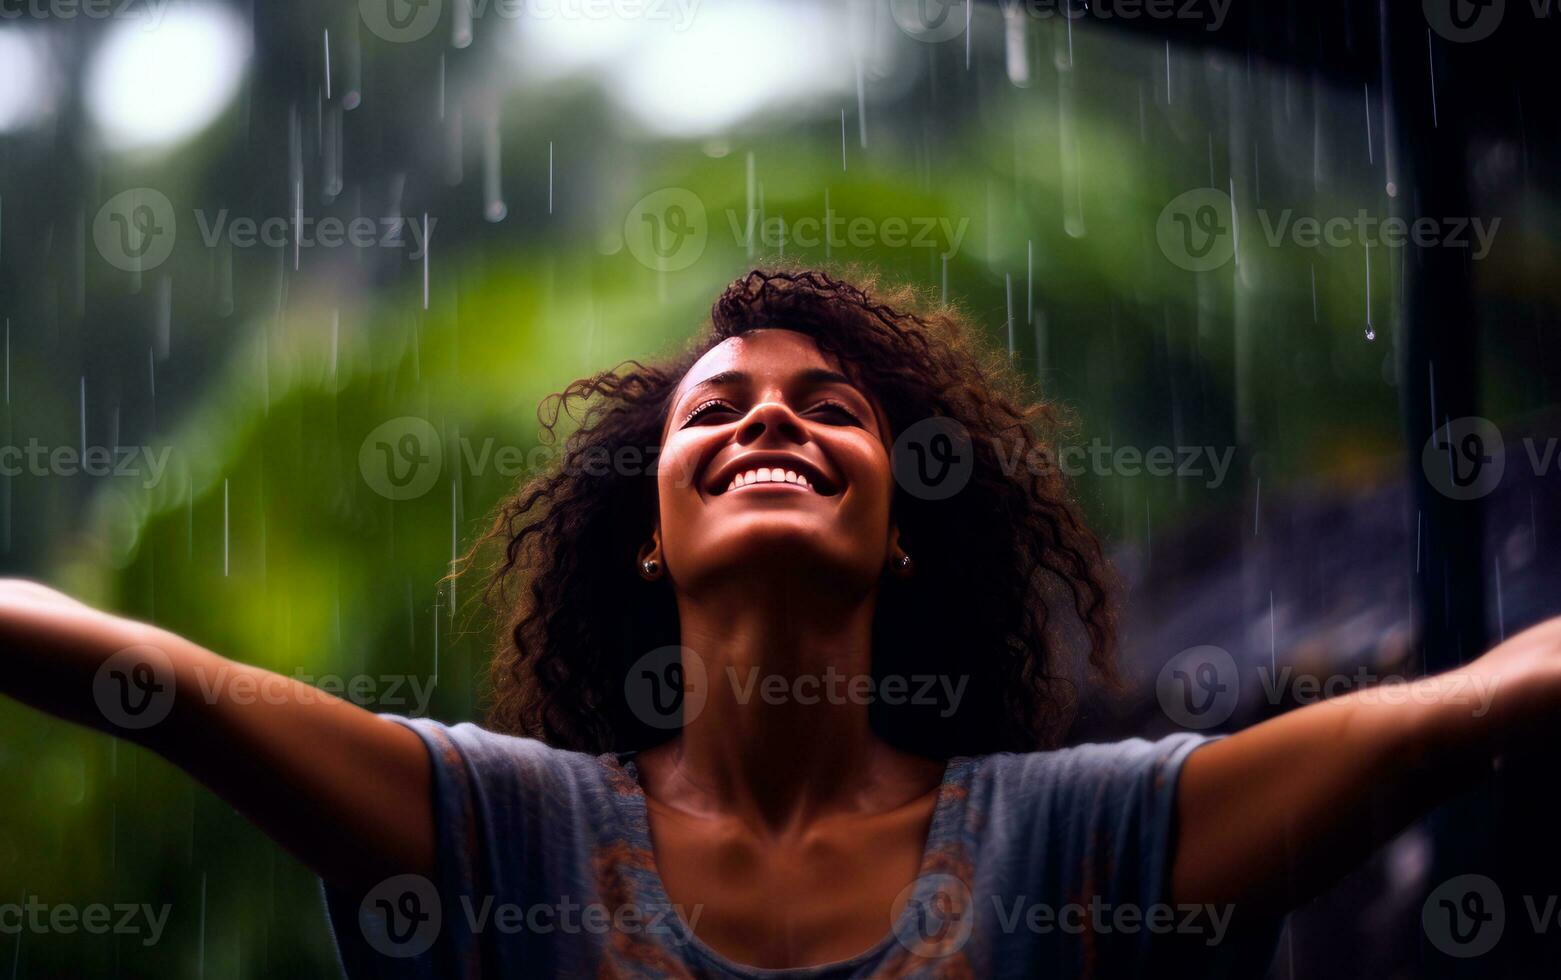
(789, 706)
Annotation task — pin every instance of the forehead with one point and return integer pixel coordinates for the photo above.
(762, 354)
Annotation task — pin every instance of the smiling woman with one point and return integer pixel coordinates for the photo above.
(802, 372)
(790, 709)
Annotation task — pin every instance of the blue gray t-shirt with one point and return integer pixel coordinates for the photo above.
(1037, 864)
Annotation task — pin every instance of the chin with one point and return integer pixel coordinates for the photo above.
(782, 547)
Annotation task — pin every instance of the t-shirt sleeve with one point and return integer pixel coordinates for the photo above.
(486, 787)
(1097, 835)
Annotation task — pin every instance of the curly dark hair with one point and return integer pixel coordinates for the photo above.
(994, 562)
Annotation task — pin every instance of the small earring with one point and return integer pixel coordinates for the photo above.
(651, 568)
(905, 563)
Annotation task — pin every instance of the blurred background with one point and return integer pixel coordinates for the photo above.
(283, 284)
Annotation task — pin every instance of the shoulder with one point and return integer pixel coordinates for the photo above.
(1088, 761)
(470, 753)
(1134, 773)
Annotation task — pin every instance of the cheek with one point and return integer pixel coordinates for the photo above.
(870, 473)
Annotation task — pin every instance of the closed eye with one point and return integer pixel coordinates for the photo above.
(835, 413)
(704, 411)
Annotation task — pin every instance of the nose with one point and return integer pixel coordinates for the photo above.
(771, 422)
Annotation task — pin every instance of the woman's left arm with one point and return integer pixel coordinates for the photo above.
(1271, 815)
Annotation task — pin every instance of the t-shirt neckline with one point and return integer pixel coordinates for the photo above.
(943, 829)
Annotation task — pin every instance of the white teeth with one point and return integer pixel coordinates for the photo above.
(768, 474)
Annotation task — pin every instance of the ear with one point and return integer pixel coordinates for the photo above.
(650, 552)
(900, 563)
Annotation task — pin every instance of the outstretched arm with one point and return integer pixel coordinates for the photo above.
(344, 790)
(1273, 814)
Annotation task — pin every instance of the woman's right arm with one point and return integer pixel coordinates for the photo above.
(347, 792)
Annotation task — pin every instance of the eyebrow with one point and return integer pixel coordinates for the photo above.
(812, 376)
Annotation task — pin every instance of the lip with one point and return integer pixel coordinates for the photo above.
(822, 484)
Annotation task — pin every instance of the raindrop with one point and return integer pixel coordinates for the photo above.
(842, 140)
(1370, 333)
(495, 209)
(1018, 62)
(1501, 616)
(827, 218)
(352, 98)
(454, 158)
(1008, 295)
(1072, 176)
(1029, 281)
(861, 105)
(164, 314)
(1370, 153)
(1167, 72)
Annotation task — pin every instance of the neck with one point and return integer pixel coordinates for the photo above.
(783, 735)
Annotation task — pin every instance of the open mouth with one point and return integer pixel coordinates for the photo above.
(782, 474)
